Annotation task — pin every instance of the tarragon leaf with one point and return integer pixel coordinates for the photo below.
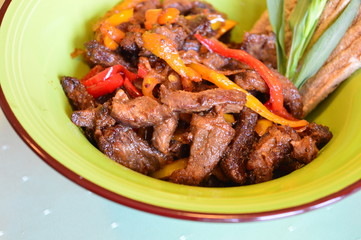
(303, 22)
(322, 49)
(277, 19)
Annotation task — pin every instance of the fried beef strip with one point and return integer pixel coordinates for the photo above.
(211, 135)
(282, 147)
(97, 54)
(321, 134)
(262, 47)
(140, 112)
(79, 98)
(237, 153)
(270, 151)
(123, 145)
(188, 102)
(163, 133)
(93, 117)
(252, 81)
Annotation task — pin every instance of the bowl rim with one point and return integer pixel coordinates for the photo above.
(149, 208)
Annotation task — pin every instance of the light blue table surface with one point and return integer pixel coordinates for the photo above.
(38, 203)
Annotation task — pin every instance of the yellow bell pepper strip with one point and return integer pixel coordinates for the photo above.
(115, 18)
(229, 118)
(253, 103)
(168, 169)
(151, 18)
(165, 49)
(120, 17)
(126, 4)
(77, 52)
(216, 20)
(106, 31)
(110, 43)
(225, 27)
(169, 16)
(262, 126)
(275, 86)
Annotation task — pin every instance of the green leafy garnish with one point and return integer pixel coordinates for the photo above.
(303, 22)
(322, 49)
(276, 15)
(300, 63)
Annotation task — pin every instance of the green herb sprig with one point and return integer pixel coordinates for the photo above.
(300, 64)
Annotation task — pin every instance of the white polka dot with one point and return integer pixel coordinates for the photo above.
(291, 228)
(182, 238)
(5, 147)
(46, 212)
(1, 233)
(114, 225)
(25, 178)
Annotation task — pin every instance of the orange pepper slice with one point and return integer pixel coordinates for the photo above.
(168, 16)
(151, 18)
(165, 49)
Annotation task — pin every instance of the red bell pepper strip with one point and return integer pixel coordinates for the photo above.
(105, 86)
(275, 86)
(131, 89)
(107, 80)
(94, 71)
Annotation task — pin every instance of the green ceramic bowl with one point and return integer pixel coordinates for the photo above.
(36, 39)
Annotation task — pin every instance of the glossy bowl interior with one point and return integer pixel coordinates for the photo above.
(36, 40)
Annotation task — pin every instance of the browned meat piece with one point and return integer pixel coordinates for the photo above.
(141, 8)
(304, 150)
(124, 146)
(214, 60)
(211, 135)
(129, 46)
(199, 6)
(262, 47)
(79, 98)
(321, 134)
(292, 97)
(163, 133)
(235, 157)
(97, 54)
(140, 112)
(183, 6)
(84, 118)
(175, 33)
(273, 148)
(199, 24)
(188, 102)
(93, 117)
(252, 81)
(189, 56)
(191, 44)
